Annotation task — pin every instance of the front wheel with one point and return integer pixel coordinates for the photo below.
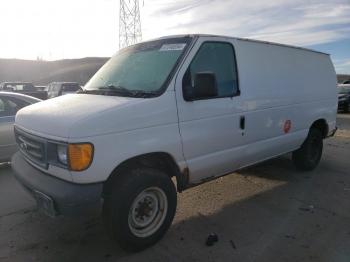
(308, 156)
(140, 208)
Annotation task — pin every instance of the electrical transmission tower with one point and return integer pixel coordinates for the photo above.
(129, 23)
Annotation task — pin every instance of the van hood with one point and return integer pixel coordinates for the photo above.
(56, 117)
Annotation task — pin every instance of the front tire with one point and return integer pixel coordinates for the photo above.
(308, 156)
(140, 208)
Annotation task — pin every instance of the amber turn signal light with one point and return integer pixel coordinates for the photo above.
(80, 156)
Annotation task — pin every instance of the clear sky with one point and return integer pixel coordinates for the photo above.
(56, 29)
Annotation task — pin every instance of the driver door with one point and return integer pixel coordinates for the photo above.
(209, 127)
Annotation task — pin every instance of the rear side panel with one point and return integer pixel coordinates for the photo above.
(284, 91)
(273, 76)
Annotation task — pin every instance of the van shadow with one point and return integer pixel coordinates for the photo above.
(280, 168)
(247, 216)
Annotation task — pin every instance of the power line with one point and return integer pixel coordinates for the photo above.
(129, 23)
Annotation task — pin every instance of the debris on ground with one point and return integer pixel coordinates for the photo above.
(290, 236)
(211, 239)
(233, 244)
(310, 208)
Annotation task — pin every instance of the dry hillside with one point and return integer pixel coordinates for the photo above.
(44, 72)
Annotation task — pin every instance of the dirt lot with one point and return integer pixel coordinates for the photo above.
(269, 212)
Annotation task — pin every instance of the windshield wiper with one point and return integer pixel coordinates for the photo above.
(119, 90)
(114, 88)
(107, 90)
(129, 92)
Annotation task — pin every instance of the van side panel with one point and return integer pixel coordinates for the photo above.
(273, 76)
(278, 84)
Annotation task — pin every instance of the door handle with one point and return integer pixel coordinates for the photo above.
(242, 122)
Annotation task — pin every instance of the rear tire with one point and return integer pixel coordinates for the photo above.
(140, 208)
(308, 156)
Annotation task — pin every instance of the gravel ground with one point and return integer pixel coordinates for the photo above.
(269, 212)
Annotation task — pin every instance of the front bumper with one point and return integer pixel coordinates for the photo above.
(55, 196)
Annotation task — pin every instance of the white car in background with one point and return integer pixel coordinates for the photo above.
(10, 103)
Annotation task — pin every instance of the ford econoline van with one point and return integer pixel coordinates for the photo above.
(182, 108)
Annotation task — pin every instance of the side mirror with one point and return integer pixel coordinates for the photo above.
(205, 85)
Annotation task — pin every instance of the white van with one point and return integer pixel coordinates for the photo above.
(193, 107)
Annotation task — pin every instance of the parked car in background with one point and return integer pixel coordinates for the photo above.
(346, 82)
(41, 88)
(192, 107)
(25, 88)
(62, 88)
(344, 98)
(10, 103)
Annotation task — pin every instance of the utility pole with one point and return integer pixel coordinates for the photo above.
(129, 23)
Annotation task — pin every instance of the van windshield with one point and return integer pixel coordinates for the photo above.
(141, 70)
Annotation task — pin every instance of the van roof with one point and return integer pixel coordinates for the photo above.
(244, 39)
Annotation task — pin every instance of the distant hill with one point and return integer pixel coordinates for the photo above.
(44, 72)
(71, 70)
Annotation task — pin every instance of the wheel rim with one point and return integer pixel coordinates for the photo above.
(147, 212)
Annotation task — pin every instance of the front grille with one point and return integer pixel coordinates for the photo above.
(32, 147)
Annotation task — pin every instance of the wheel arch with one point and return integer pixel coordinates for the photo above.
(159, 160)
(322, 125)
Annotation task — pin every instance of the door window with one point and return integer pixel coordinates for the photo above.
(218, 58)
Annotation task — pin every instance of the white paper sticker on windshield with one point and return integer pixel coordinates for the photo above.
(172, 47)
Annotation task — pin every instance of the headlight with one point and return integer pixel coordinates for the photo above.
(80, 156)
(62, 154)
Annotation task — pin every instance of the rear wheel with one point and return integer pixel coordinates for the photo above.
(309, 154)
(140, 208)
